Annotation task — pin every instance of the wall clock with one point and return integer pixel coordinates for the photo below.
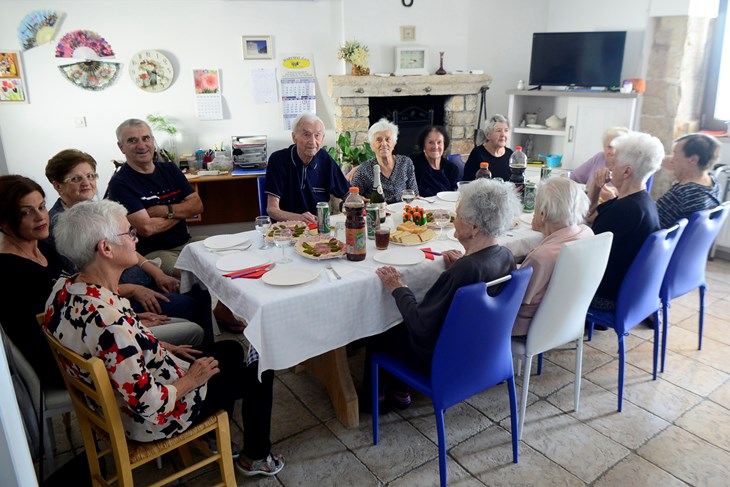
(151, 71)
(410, 60)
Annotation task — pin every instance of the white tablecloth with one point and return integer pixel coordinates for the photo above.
(288, 325)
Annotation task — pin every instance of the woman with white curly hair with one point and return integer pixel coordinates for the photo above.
(486, 209)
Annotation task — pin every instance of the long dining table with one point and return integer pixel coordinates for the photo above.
(312, 322)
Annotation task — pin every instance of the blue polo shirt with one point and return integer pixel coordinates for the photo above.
(299, 187)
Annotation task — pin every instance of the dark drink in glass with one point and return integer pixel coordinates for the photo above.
(382, 238)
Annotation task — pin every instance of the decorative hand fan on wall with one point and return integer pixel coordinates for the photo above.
(38, 27)
(93, 74)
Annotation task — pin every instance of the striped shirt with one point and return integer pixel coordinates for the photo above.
(684, 199)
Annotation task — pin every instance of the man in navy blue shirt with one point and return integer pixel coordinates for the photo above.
(302, 175)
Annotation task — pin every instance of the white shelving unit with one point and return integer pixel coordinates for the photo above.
(586, 114)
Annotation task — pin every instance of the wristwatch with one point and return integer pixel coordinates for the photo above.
(170, 212)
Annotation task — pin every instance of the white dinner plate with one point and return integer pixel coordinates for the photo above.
(398, 207)
(448, 195)
(241, 260)
(535, 126)
(400, 256)
(225, 241)
(290, 276)
(527, 219)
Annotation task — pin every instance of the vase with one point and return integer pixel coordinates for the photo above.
(441, 69)
(360, 71)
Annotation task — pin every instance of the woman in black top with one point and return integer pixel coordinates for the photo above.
(494, 150)
(434, 173)
(30, 267)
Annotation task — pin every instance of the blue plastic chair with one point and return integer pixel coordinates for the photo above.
(263, 197)
(648, 183)
(686, 270)
(638, 296)
(473, 353)
(456, 159)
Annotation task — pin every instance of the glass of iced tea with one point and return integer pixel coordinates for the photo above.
(382, 237)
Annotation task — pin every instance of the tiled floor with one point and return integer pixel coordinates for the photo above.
(674, 431)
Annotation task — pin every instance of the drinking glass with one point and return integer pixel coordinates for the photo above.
(283, 239)
(408, 196)
(441, 218)
(263, 223)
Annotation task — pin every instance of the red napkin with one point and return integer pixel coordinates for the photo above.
(426, 252)
(254, 275)
(252, 270)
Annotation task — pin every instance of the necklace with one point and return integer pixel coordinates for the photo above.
(38, 259)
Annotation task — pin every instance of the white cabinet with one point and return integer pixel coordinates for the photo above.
(586, 114)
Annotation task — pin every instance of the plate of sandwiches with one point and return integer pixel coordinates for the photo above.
(408, 233)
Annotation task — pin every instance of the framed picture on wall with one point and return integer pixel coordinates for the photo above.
(257, 47)
(12, 87)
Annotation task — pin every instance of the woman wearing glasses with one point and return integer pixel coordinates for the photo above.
(153, 293)
(30, 266)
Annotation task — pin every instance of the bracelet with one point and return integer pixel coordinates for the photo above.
(144, 262)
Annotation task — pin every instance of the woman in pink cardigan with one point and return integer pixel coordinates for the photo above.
(560, 209)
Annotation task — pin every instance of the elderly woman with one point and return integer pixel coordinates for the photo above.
(153, 293)
(434, 173)
(696, 189)
(601, 163)
(396, 171)
(30, 266)
(494, 150)
(632, 215)
(560, 208)
(181, 385)
(486, 210)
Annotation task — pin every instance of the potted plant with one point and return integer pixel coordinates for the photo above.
(348, 156)
(356, 54)
(161, 123)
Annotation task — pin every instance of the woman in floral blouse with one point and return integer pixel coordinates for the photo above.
(397, 172)
(164, 389)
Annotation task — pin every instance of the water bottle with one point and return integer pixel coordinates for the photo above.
(355, 228)
(483, 171)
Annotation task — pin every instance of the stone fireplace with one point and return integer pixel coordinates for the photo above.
(460, 95)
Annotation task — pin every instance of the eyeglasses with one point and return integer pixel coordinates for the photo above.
(132, 233)
(92, 176)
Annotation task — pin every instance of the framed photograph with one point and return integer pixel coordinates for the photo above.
(407, 33)
(257, 47)
(12, 86)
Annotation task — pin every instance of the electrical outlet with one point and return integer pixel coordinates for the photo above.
(79, 122)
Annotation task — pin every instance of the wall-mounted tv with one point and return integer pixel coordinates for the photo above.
(582, 59)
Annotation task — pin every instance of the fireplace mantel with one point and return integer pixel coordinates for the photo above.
(351, 96)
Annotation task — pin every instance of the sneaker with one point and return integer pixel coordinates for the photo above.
(213, 445)
(269, 466)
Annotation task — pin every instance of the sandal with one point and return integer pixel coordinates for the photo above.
(213, 446)
(400, 399)
(269, 466)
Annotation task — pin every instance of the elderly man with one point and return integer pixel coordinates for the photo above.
(302, 175)
(156, 194)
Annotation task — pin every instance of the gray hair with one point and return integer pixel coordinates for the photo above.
(562, 201)
(383, 125)
(131, 122)
(641, 151)
(492, 122)
(305, 117)
(492, 206)
(612, 133)
(84, 225)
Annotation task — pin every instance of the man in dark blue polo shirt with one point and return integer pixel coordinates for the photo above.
(302, 175)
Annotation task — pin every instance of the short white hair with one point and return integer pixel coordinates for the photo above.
(383, 125)
(612, 133)
(131, 122)
(562, 201)
(641, 151)
(305, 117)
(492, 206)
(80, 228)
(493, 121)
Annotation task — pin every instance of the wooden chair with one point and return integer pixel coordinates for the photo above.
(105, 421)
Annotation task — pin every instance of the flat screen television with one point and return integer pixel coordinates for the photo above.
(581, 59)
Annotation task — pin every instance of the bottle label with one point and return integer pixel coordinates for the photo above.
(356, 240)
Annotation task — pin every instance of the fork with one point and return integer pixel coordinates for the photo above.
(329, 267)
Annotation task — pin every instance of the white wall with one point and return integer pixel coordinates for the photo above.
(491, 35)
